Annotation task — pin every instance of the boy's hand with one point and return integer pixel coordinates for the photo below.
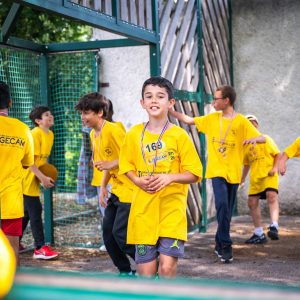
(143, 183)
(104, 165)
(250, 141)
(103, 196)
(47, 182)
(273, 171)
(158, 182)
(282, 168)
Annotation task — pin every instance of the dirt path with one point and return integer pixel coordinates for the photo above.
(274, 262)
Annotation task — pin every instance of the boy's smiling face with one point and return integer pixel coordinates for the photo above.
(46, 121)
(90, 118)
(156, 101)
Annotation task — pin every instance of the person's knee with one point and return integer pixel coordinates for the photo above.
(252, 203)
(167, 269)
(272, 197)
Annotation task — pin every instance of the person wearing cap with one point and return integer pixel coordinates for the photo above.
(292, 150)
(262, 161)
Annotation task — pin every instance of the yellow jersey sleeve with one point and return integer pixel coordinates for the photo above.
(293, 150)
(28, 159)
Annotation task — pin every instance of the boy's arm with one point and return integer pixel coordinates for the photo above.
(257, 140)
(160, 181)
(47, 182)
(274, 170)
(282, 163)
(244, 174)
(182, 117)
(103, 189)
(106, 165)
(141, 182)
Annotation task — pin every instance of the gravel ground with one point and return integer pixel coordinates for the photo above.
(275, 262)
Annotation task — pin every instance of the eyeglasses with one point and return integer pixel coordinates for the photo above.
(217, 98)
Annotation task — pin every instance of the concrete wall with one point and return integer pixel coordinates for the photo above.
(266, 49)
(125, 69)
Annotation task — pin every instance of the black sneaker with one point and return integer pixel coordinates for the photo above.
(227, 255)
(256, 239)
(273, 233)
(218, 250)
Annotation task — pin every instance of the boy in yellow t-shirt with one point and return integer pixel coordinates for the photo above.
(161, 161)
(262, 161)
(106, 140)
(227, 133)
(292, 150)
(16, 153)
(43, 140)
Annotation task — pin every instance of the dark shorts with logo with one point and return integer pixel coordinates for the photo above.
(263, 195)
(166, 246)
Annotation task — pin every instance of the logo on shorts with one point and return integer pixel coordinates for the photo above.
(175, 244)
(142, 250)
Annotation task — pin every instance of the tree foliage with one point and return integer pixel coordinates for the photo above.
(44, 28)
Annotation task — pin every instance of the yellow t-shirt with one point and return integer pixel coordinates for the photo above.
(106, 147)
(225, 160)
(162, 214)
(16, 151)
(260, 158)
(293, 150)
(43, 142)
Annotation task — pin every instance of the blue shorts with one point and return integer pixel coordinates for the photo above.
(166, 246)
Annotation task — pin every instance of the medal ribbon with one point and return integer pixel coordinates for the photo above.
(93, 151)
(222, 141)
(156, 146)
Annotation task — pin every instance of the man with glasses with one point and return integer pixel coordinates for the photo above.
(227, 133)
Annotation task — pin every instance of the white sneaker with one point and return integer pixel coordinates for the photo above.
(102, 248)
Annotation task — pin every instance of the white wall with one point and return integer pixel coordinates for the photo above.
(125, 69)
(266, 50)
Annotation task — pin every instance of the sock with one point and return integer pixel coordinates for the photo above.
(258, 231)
(275, 224)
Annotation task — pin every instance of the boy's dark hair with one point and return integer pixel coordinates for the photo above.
(228, 91)
(37, 112)
(110, 110)
(4, 95)
(161, 82)
(94, 102)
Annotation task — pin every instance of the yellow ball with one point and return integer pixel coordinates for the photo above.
(8, 265)
(49, 170)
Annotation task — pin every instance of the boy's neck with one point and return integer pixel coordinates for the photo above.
(45, 129)
(4, 112)
(228, 112)
(156, 125)
(99, 125)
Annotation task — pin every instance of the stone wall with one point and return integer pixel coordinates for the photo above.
(266, 51)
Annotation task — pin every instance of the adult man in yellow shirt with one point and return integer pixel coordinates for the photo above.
(16, 153)
(227, 132)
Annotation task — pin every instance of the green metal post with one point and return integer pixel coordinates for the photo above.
(230, 42)
(10, 20)
(155, 64)
(48, 196)
(201, 104)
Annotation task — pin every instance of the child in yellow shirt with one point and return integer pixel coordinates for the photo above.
(16, 154)
(292, 150)
(161, 160)
(262, 161)
(227, 132)
(43, 138)
(106, 140)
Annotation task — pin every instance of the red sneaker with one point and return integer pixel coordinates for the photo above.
(44, 252)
